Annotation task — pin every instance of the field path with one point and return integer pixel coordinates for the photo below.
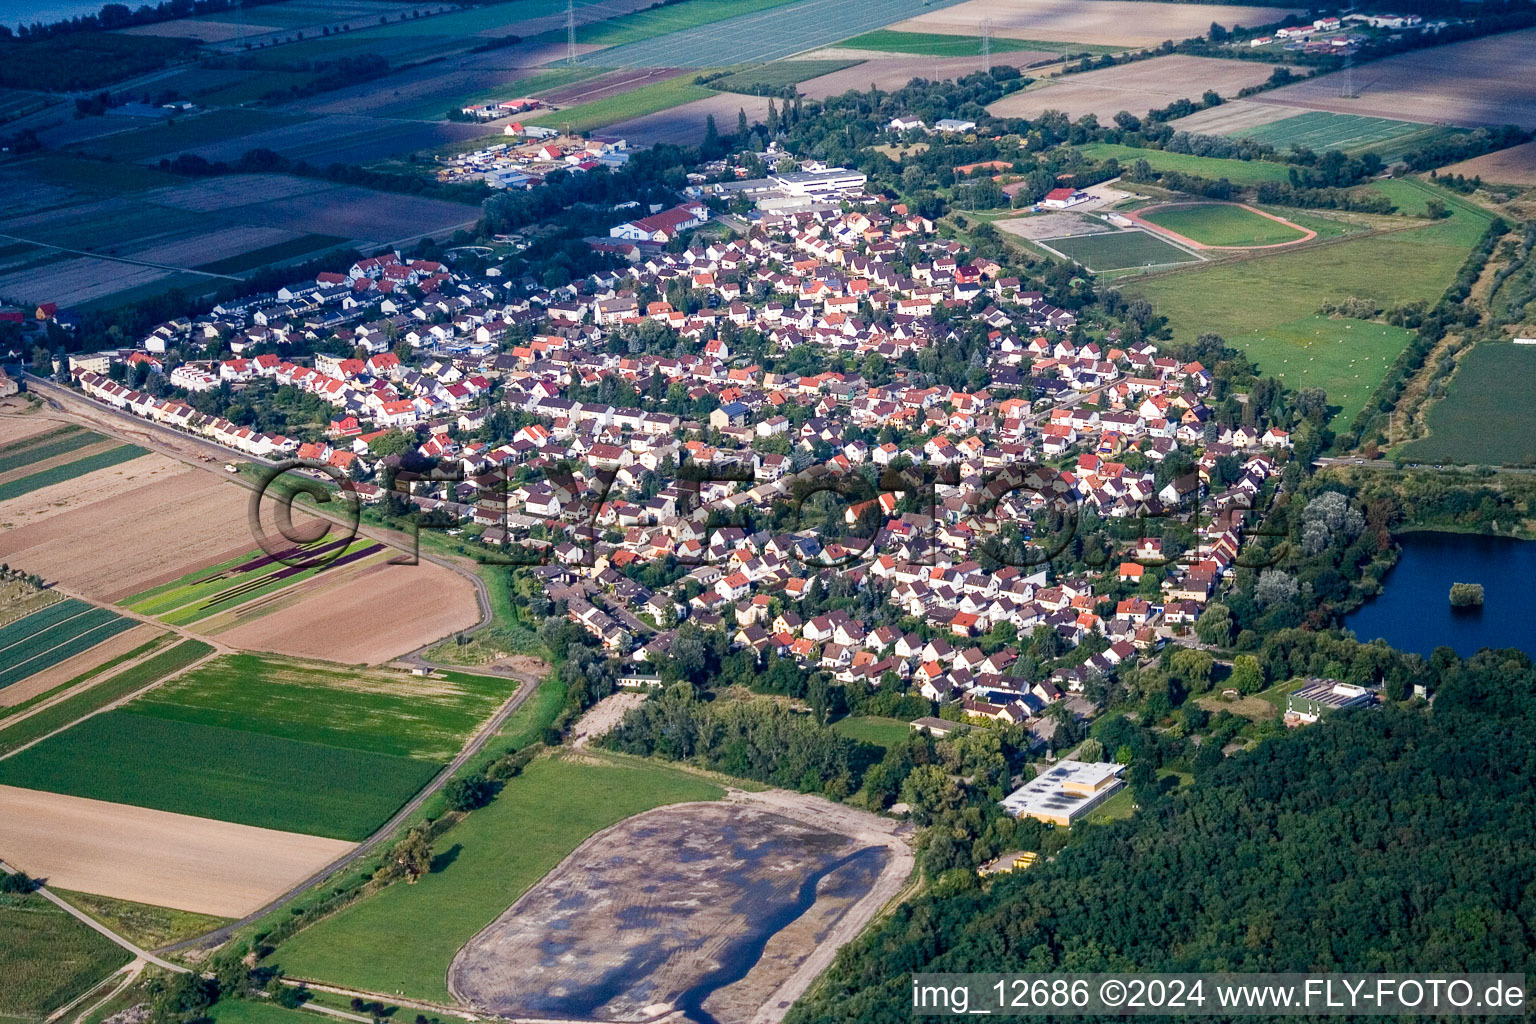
(96, 925)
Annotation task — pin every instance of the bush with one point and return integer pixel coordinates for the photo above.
(470, 792)
(19, 882)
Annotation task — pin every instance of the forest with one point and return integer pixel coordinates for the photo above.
(1378, 840)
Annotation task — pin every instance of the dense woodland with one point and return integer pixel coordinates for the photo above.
(1387, 840)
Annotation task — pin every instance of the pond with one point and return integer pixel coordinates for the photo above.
(1414, 613)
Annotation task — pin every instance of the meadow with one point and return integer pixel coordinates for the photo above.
(403, 938)
(1487, 416)
(374, 711)
(225, 774)
(778, 74)
(1222, 224)
(47, 958)
(1239, 172)
(1264, 305)
(873, 729)
(1119, 250)
(69, 471)
(145, 926)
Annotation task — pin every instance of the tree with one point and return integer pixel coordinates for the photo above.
(1193, 668)
(1247, 676)
(412, 855)
(1215, 625)
(469, 793)
(930, 793)
(19, 882)
(1091, 750)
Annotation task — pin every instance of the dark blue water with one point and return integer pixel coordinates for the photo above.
(1414, 613)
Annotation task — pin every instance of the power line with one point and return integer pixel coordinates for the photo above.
(986, 45)
(570, 31)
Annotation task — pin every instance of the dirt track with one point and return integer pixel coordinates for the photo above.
(148, 856)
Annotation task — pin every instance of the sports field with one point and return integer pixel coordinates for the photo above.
(1119, 250)
(47, 957)
(58, 632)
(1222, 224)
(403, 938)
(374, 710)
(1487, 417)
(1239, 172)
(226, 774)
(765, 34)
(1267, 306)
(1320, 131)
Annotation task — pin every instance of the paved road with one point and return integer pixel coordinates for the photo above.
(388, 829)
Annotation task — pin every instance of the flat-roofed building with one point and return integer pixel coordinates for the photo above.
(832, 181)
(1320, 697)
(1065, 791)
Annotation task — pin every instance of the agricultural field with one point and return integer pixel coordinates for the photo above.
(895, 72)
(1513, 166)
(1267, 306)
(37, 448)
(1222, 225)
(779, 74)
(1109, 22)
(942, 45)
(234, 775)
(670, 908)
(68, 469)
(724, 33)
(151, 864)
(1239, 172)
(64, 677)
(625, 106)
(47, 958)
(380, 711)
(1321, 131)
(1480, 81)
(687, 124)
(79, 700)
(1119, 250)
(1486, 416)
(403, 938)
(59, 632)
(1138, 87)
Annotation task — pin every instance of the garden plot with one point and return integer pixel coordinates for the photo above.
(1137, 87)
(149, 856)
(1103, 21)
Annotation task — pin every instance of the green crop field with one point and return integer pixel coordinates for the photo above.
(1222, 224)
(145, 926)
(47, 958)
(882, 732)
(1239, 172)
(43, 639)
(128, 681)
(664, 20)
(648, 99)
(933, 44)
(1487, 416)
(227, 774)
(32, 450)
(100, 670)
(293, 248)
(1321, 131)
(1265, 305)
(69, 470)
(377, 711)
(403, 938)
(1120, 250)
(779, 74)
(219, 588)
(187, 133)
